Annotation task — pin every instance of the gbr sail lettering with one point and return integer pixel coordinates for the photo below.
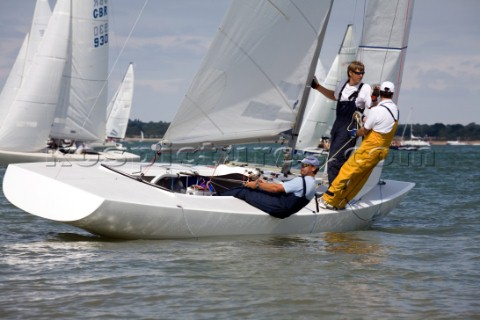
(100, 31)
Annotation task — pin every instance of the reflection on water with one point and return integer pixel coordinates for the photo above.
(369, 252)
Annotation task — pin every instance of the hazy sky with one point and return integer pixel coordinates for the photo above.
(441, 81)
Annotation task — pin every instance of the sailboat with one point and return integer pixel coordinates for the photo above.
(120, 107)
(56, 92)
(251, 87)
(414, 143)
(119, 112)
(457, 142)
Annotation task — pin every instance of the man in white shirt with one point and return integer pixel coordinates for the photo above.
(351, 95)
(379, 129)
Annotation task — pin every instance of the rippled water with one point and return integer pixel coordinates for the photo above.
(420, 262)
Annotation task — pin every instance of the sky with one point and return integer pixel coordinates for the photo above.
(167, 40)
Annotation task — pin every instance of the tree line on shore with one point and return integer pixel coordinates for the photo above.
(437, 131)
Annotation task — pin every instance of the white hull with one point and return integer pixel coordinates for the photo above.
(456, 143)
(7, 157)
(113, 205)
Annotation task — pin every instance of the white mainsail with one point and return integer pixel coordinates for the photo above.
(28, 121)
(41, 16)
(81, 113)
(249, 86)
(120, 107)
(320, 112)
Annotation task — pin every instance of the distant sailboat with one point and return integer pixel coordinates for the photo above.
(456, 143)
(414, 143)
(59, 92)
(120, 107)
(118, 111)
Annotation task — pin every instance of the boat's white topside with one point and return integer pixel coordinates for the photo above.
(7, 157)
(109, 203)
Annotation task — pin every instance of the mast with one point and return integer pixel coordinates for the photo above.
(303, 102)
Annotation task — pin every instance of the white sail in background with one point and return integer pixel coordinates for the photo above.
(81, 114)
(385, 40)
(27, 124)
(120, 107)
(249, 85)
(320, 112)
(41, 16)
(14, 81)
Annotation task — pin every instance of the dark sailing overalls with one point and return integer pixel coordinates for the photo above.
(279, 205)
(341, 143)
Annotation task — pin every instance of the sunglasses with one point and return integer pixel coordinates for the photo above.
(361, 73)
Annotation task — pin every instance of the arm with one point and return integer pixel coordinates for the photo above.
(326, 92)
(330, 94)
(265, 186)
(362, 131)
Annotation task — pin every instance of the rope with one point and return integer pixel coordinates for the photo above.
(357, 117)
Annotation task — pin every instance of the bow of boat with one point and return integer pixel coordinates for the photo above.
(41, 189)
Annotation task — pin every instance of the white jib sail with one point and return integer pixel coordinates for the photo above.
(250, 83)
(82, 111)
(120, 107)
(320, 112)
(28, 122)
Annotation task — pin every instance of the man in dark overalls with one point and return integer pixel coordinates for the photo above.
(280, 200)
(351, 95)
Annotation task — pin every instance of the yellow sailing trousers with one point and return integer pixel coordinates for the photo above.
(355, 172)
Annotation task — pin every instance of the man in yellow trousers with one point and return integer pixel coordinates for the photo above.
(378, 131)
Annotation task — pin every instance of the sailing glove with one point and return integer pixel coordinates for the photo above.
(315, 83)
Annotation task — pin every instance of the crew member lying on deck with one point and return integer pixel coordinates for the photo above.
(280, 200)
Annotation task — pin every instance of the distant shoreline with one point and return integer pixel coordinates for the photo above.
(433, 142)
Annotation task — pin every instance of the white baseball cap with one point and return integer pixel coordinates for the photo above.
(387, 86)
